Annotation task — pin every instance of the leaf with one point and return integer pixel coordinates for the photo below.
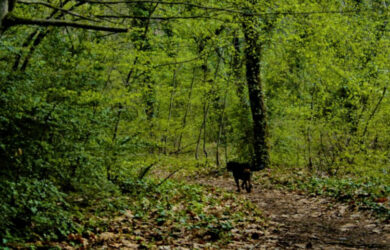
(106, 236)
(381, 200)
(347, 227)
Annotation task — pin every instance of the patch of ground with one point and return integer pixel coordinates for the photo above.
(299, 221)
(293, 220)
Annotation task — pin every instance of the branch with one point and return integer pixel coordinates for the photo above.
(304, 13)
(145, 171)
(374, 111)
(13, 21)
(155, 18)
(169, 176)
(57, 8)
(175, 63)
(163, 2)
(222, 9)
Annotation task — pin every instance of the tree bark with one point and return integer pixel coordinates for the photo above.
(113, 154)
(171, 99)
(245, 130)
(256, 94)
(186, 112)
(220, 130)
(6, 7)
(37, 41)
(205, 113)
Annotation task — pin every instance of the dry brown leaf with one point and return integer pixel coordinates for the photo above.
(347, 227)
(106, 236)
(342, 210)
(381, 200)
(316, 214)
(129, 244)
(370, 226)
(128, 214)
(115, 245)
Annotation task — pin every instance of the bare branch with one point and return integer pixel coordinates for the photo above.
(154, 18)
(374, 111)
(175, 63)
(59, 9)
(222, 9)
(163, 2)
(303, 13)
(13, 21)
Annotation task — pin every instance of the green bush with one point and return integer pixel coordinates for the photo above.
(33, 206)
(362, 194)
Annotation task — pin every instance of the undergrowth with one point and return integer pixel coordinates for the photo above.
(149, 213)
(362, 193)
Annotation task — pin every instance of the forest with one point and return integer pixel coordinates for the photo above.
(118, 118)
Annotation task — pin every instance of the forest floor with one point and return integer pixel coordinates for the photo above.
(215, 216)
(297, 220)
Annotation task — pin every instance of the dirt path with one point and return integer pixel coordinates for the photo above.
(298, 221)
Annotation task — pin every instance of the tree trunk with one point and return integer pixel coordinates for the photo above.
(114, 154)
(205, 113)
(186, 112)
(198, 142)
(6, 7)
(245, 129)
(221, 123)
(256, 94)
(173, 91)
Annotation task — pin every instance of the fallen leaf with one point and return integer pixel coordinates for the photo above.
(381, 200)
(347, 227)
(128, 214)
(302, 245)
(316, 214)
(129, 244)
(107, 236)
(370, 226)
(342, 210)
(115, 245)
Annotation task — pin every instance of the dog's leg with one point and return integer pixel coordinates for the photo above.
(237, 183)
(249, 185)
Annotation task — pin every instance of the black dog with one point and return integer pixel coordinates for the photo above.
(241, 171)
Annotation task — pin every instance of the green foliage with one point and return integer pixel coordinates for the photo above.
(179, 206)
(82, 112)
(34, 208)
(366, 195)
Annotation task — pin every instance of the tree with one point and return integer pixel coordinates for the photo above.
(256, 94)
